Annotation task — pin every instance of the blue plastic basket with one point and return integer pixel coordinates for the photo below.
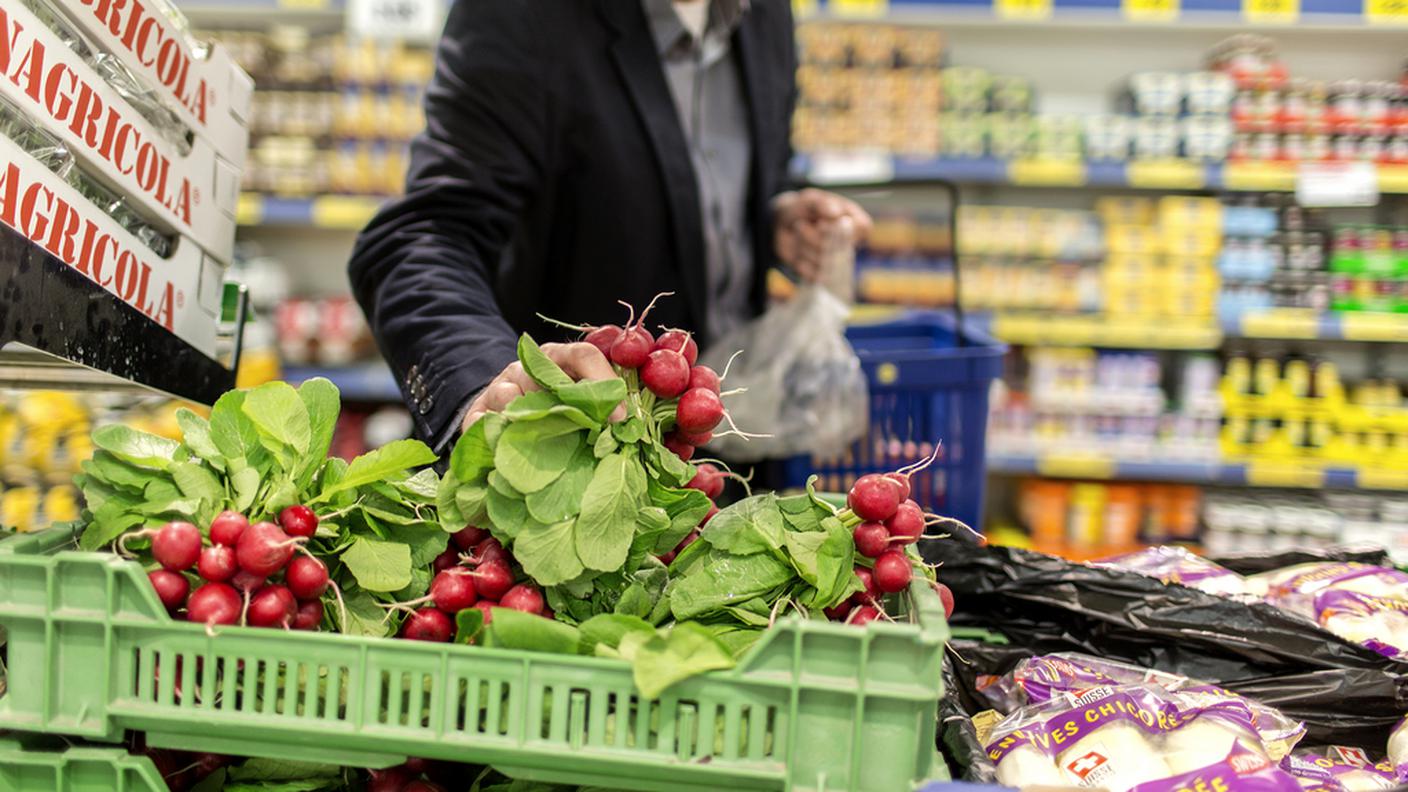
(924, 389)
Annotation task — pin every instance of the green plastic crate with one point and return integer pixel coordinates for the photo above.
(813, 706)
(26, 768)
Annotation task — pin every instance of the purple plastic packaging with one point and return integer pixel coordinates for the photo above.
(1176, 565)
(1241, 771)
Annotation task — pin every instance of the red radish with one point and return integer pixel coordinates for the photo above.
(306, 577)
(902, 479)
(874, 497)
(523, 597)
(907, 523)
(871, 539)
(272, 606)
(422, 786)
(468, 537)
(486, 607)
(298, 521)
(709, 515)
(868, 591)
(263, 549)
(665, 373)
(392, 779)
(217, 563)
(699, 410)
(632, 348)
(446, 560)
(172, 588)
(679, 448)
(708, 479)
(681, 342)
(892, 572)
(689, 539)
(453, 590)
(839, 611)
(214, 603)
(863, 615)
(667, 557)
(704, 377)
(415, 765)
(946, 597)
(603, 337)
(227, 527)
(490, 551)
(310, 615)
(246, 581)
(176, 546)
(697, 440)
(492, 579)
(428, 624)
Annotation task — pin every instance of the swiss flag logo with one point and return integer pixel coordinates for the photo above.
(1087, 764)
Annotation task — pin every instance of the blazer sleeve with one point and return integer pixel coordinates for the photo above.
(424, 269)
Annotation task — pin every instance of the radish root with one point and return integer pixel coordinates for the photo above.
(564, 325)
(915, 467)
(729, 365)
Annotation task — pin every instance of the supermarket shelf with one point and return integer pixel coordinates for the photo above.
(343, 212)
(872, 168)
(1197, 12)
(1301, 474)
(371, 382)
(1100, 331)
(1303, 324)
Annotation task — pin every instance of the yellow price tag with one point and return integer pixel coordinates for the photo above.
(1046, 173)
(1393, 178)
(1357, 326)
(1150, 10)
(1023, 9)
(250, 211)
(1386, 12)
(1257, 176)
(1271, 11)
(303, 5)
(1381, 479)
(343, 211)
(1281, 323)
(1287, 473)
(1166, 175)
(1080, 466)
(859, 9)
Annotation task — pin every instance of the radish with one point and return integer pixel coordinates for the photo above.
(699, 410)
(871, 539)
(603, 337)
(423, 786)
(892, 572)
(217, 563)
(681, 342)
(446, 560)
(272, 606)
(490, 551)
(492, 579)
(523, 597)
(306, 577)
(392, 779)
(709, 515)
(263, 549)
(428, 624)
(172, 588)
(453, 590)
(415, 765)
(697, 440)
(902, 479)
(708, 479)
(678, 447)
(176, 546)
(214, 603)
(468, 537)
(907, 523)
(704, 377)
(863, 615)
(227, 527)
(874, 497)
(868, 591)
(665, 373)
(247, 581)
(486, 607)
(632, 348)
(310, 615)
(839, 611)
(298, 521)
(946, 597)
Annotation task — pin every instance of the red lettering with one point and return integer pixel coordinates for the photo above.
(85, 118)
(169, 62)
(143, 36)
(147, 166)
(183, 201)
(163, 313)
(61, 233)
(133, 21)
(8, 41)
(59, 103)
(9, 194)
(119, 156)
(142, 288)
(85, 256)
(127, 275)
(110, 11)
(200, 95)
(110, 130)
(100, 259)
(31, 71)
(33, 220)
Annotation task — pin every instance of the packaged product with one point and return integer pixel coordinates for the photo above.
(1398, 749)
(1242, 771)
(1378, 623)
(1295, 588)
(1176, 565)
(1348, 768)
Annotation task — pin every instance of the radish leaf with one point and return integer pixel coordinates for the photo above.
(377, 565)
(609, 507)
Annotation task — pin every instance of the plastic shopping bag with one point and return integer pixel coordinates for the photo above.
(797, 380)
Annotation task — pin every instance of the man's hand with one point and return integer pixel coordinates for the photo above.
(802, 221)
(580, 361)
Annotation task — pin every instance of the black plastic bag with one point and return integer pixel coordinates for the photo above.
(1344, 693)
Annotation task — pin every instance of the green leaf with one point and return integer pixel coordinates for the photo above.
(752, 525)
(605, 444)
(494, 425)
(635, 601)
(539, 366)
(596, 398)
(511, 629)
(607, 629)
(675, 471)
(562, 499)
(138, 448)
(195, 432)
(234, 433)
(378, 566)
(301, 785)
(322, 402)
(446, 503)
(548, 553)
(535, 405)
(381, 464)
(426, 541)
(835, 564)
(532, 454)
(468, 624)
(196, 482)
(688, 650)
(507, 514)
(718, 579)
(419, 585)
(609, 507)
(363, 616)
(686, 507)
(755, 612)
(279, 414)
(245, 484)
(102, 532)
(472, 456)
(282, 492)
(472, 500)
(631, 430)
(113, 471)
(422, 487)
(803, 549)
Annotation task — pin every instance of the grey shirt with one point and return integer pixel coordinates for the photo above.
(708, 91)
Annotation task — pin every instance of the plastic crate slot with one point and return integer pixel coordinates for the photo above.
(577, 719)
(493, 709)
(270, 672)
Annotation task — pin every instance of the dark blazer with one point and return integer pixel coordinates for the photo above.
(553, 177)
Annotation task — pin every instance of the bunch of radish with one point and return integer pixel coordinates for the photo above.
(247, 574)
(417, 775)
(708, 479)
(475, 571)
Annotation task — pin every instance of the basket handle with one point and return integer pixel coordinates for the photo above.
(959, 322)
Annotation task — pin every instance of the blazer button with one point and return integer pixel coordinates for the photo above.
(425, 405)
(419, 391)
(412, 373)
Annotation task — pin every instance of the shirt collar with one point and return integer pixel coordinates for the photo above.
(670, 32)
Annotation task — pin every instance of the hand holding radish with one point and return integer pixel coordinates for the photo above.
(582, 360)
